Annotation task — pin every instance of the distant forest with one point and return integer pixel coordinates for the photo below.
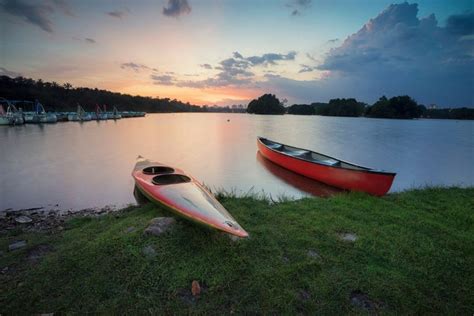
(399, 107)
(57, 98)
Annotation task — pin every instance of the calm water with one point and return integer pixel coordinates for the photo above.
(80, 165)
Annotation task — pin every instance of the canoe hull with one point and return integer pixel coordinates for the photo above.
(189, 200)
(375, 183)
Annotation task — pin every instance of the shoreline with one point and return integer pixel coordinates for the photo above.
(405, 253)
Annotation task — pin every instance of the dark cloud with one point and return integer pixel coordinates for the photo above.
(163, 80)
(118, 13)
(206, 66)
(36, 13)
(90, 40)
(461, 24)
(175, 8)
(8, 73)
(298, 6)
(63, 6)
(333, 40)
(306, 68)
(136, 67)
(395, 53)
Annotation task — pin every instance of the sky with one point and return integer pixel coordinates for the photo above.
(231, 51)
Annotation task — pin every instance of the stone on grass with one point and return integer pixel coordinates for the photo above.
(362, 300)
(313, 254)
(195, 288)
(23, 219)
(350, 237)
(17, 245)
(130, 229)
(149, 251)
(38, 252)
(160, 225)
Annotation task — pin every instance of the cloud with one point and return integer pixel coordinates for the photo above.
(136, 67)
(90, 40)
(206, 66)
(461, 24)
(306, 68)
(394, 53)
(175, 8)
(237, 71)
(36, 13)
(63, 6)
(8, 73)
(118, 13)
(298, 6)
(163, 80)
(333, 40)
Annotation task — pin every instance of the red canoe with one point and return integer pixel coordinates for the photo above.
(329, 170)
(183, 195)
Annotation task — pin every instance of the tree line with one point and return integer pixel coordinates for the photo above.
(64, 98)
(398, 107)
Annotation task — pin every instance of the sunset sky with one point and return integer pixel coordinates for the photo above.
(229, 52)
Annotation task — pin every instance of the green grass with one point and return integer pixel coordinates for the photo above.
(414, 255)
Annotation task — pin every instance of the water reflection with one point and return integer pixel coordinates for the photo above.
(299, 182)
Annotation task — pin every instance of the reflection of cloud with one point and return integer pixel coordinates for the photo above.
(175, 8)
(36, 13)
(8, 73)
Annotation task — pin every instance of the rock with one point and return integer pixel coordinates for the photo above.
(160, 225)
(38, 252)
(362, 300)
(195, 288)
(313, 254)
(23, 219)
(130, 229)
(17, 245)
(149, 251)
(351, 237)
(304, 295)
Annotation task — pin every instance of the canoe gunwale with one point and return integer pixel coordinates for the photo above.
(365, 169)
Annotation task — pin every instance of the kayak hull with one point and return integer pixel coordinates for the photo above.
(186, 198)
(342, 174)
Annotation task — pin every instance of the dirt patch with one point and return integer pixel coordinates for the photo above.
(362, 300)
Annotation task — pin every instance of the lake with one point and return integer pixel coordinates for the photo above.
(80, 165)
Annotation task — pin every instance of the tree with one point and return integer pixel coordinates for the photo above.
(400, 107)
(266, 104)
(303, 109)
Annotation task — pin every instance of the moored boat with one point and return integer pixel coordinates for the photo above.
(79, 116)
(184, 196)
(326, 169)
(115, 114)
(12, 116)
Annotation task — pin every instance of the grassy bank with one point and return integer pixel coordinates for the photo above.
(414, 253)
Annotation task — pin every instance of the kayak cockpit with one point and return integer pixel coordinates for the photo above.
(174, 178)
(157, 170)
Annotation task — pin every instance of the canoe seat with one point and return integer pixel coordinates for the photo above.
(275, 146)
(299, 153)
(330, 162)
